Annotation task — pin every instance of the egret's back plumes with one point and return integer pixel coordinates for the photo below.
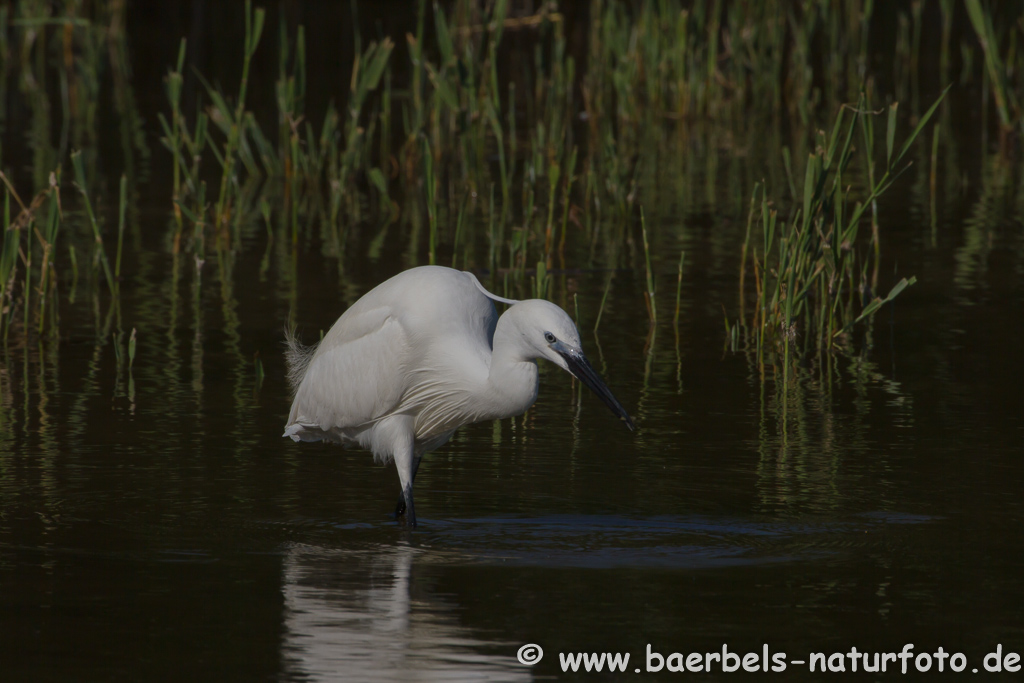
(296, 357)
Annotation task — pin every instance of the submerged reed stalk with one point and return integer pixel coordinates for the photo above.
(652, 309)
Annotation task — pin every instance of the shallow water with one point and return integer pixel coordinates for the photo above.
(175, 534)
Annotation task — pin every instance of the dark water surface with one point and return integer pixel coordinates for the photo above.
(174, 535)
(155, 526)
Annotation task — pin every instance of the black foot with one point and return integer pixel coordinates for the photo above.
(405, 517)
(401, 507)
(405, 510)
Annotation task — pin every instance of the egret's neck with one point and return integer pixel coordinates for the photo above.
(512, 382)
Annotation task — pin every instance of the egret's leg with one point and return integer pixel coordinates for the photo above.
(407, 462)
(400, 507)
(410, 509)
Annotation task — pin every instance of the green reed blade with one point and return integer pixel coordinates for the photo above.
(444, 39)
(123, 204)
(834, 138)
(810, 182)
(76, 160)
(788, 166)
(921, 123)
(444, 91)
(877, 303)
(890, 132)
(982, 22)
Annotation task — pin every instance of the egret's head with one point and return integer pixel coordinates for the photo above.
(544, 330)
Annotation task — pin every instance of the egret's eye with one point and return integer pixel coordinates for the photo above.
(549, 338)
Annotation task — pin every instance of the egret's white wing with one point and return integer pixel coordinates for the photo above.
(419, 343)
(353, 378)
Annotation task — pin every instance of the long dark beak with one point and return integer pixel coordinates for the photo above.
(582, 370)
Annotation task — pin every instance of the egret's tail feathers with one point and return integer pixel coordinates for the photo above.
(297, 357)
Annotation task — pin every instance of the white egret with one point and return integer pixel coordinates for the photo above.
(421, 355)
